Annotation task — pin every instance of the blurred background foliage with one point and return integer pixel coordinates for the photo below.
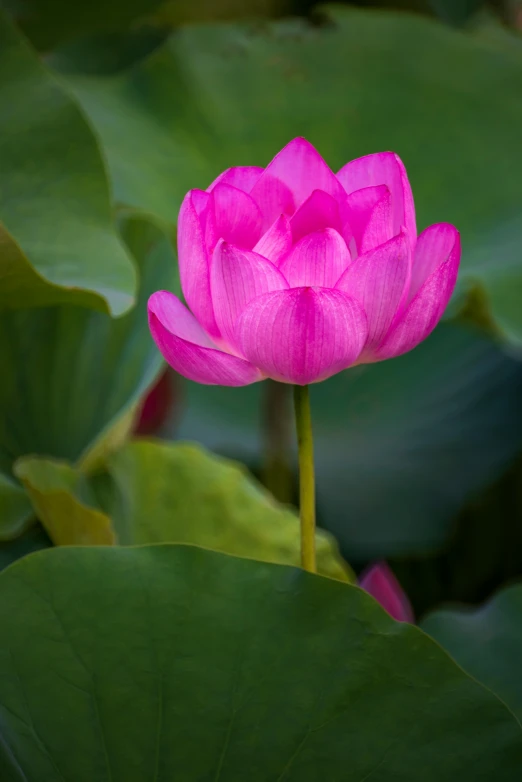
(111, 112)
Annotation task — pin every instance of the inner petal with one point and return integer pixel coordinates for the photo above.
(242, 177)
(434, 245)
(277, 241)
(379, 280)
(318, 259)
(273, 198)
(302, 169)
(319, 211)
(237, 217)
(236, 277)
(383, 168)
(204, 206)
(370, 216)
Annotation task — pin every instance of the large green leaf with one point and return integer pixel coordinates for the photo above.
(57, 241)
(179, 493)
(487, 642)
(71, 376)
(172, 662)
(450, 104)
(400, 446)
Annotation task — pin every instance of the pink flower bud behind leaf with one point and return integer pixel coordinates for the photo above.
(379, 581)
(156, 406)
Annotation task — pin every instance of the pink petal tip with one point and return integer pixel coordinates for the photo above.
(380, 582)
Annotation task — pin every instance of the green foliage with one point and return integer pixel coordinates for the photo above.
(134, 662)
(450, 104)
(49, 22)
(57, 242)
(55, 489)
(169, 493)
(179, 493)
(400, 445)
(456, 11)
(106, 53)
(217, 95)
(486, 642)
(34, 539)
(71, 376)
(483, 552)
(175, 662)
(15, 509)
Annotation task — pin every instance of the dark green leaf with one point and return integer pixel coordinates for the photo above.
(49, 22)
(34, 539)
(57, 241)
(71, 375)
(172, 662)
(455, 11)
(486, 642)
(106, 53)
(450, 104)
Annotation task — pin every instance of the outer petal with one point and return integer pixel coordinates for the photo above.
(242, 177)
(273, 198)
(187, 348)
(434, 246)
(277, 241)
(302, 169)
(193, 258)
(379, 280)
(317, 259)
(236, 277)
(319, 211)
(302, 335)
(237, 216)
(425, 310)
(380, 582)
(370, 216)
(383, 168)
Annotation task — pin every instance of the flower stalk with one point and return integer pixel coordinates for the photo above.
(303, 421)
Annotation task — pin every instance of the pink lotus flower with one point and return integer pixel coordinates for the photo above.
(380, 582)
(295, 273)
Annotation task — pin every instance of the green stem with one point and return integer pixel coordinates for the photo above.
(303, 422)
